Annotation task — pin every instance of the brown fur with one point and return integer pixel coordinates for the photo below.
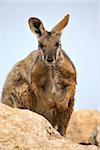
(41, 85)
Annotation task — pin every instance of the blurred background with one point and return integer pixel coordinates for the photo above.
(80, 39)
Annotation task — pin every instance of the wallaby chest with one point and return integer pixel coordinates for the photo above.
(50, 80)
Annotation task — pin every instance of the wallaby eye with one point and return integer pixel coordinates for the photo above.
(41, 45)
(62, 85)
(57, 44)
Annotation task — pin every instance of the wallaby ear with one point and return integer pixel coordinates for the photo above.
(36, 26)
(61, 25)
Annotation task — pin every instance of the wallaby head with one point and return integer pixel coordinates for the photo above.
(48, 42)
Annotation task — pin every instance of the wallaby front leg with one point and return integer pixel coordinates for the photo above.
(63, 105)
(63, 117)
(37, 89)
(40, 94)
(38, 79)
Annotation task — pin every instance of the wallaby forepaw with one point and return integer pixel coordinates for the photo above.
(62, 106)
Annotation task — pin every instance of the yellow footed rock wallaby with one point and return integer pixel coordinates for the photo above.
(44, 82)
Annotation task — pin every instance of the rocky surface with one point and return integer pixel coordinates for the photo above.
(26, 130)
(82, 125)
(95, 136)
(98, 136)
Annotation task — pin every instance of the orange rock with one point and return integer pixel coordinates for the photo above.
(21, 129)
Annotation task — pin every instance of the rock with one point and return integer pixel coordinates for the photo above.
(22, 129)
(82, 124)
(98, 136)
(95, 137)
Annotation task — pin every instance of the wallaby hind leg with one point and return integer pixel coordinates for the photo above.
(63, 117)
(19, 96)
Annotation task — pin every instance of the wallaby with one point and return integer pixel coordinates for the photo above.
(45, 81)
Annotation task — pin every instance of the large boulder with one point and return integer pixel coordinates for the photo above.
(82, 126)
(26, 130)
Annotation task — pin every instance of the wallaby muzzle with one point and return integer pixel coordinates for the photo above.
(49, 58)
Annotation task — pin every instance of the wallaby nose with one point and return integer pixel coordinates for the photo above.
(49, 58)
